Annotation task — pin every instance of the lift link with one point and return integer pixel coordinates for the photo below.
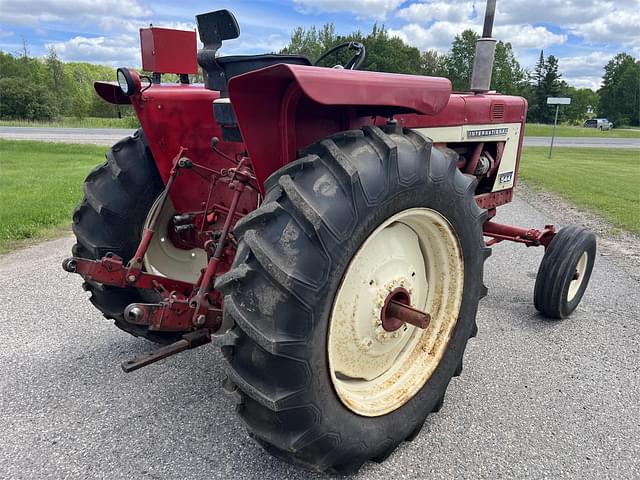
(240, 178)
(134, 268)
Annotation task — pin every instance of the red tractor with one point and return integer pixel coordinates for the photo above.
(330, 224)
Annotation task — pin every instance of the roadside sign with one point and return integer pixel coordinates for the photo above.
(558, 101)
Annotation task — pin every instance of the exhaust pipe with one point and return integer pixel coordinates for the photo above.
(485, 53)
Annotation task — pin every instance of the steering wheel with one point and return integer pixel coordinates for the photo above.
(354, 62)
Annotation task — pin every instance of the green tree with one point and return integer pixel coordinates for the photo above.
(581, 100)
(384, 53)
(460, 60)
(433, 63)
(43, 88)
(508, 76)
(620, 92)
(311, 42)
(546, 82)
(24, 100)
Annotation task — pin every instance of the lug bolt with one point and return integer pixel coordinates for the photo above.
(131, 278)
(200, 319)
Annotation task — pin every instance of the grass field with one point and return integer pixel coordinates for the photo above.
(72, 122)
(604, 181)
(541, 130)
(40, 184)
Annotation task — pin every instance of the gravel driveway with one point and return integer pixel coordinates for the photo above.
(537, 398)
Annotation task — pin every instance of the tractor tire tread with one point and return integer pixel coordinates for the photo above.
(267, 363)
(117, 197)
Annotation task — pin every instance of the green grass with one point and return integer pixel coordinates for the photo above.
(73, 122)
(540, 130)
(40, 184)
(604, 181)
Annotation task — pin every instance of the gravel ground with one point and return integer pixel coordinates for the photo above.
(537, 398)
(620, 246)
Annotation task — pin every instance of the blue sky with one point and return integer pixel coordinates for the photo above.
(584, 34)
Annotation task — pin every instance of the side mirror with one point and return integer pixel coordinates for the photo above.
(214, 27)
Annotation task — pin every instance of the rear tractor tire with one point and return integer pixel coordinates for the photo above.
(564, 272)
(364, 217)
(118, 196)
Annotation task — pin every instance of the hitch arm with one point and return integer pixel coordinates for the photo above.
(188, 341)
(531, 237)
(110, 270)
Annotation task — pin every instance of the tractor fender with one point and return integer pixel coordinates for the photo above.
(283, 108)
(110, 92)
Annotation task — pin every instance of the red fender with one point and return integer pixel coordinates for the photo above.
(285, 107)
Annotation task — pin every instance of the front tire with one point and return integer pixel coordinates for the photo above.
(293, 257)
(564, 272)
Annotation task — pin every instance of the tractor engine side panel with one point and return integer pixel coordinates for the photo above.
(472, 119)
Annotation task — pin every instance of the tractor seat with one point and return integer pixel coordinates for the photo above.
(238, 64)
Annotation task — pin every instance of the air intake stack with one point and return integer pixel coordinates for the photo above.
(485, 53)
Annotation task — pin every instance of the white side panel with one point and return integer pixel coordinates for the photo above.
(497, 132)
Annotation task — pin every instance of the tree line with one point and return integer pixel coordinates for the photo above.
(34, 88)
(618, 99)
(46, 88)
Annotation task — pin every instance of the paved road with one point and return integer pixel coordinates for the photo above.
(589, 142)
(108, 136)
(97, 136)
(537, 398)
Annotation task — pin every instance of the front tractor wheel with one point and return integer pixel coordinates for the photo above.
(564, 272)
(370, 223)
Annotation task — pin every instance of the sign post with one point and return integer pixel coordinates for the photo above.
(557, 101)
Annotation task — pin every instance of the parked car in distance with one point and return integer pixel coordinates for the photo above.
(601, 123)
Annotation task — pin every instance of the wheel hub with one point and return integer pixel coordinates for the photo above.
(382, 347)
(397, 311)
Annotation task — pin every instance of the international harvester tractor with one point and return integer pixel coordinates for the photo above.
(330, 225)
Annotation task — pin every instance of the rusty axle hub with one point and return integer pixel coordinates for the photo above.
(407, 314)
(397, 311)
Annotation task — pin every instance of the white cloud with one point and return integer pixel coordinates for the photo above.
(584, 71)
(439, 35)
(105, 13)
(114, 50)
(612, 27)
(449, 11)
(595, 21)
(527, 36)
(362, 8)
(551, 11)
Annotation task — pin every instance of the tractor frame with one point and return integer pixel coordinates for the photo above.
(213, 180)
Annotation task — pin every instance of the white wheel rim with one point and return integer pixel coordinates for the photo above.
(373, 371)
(163, 258)
(575, 284)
